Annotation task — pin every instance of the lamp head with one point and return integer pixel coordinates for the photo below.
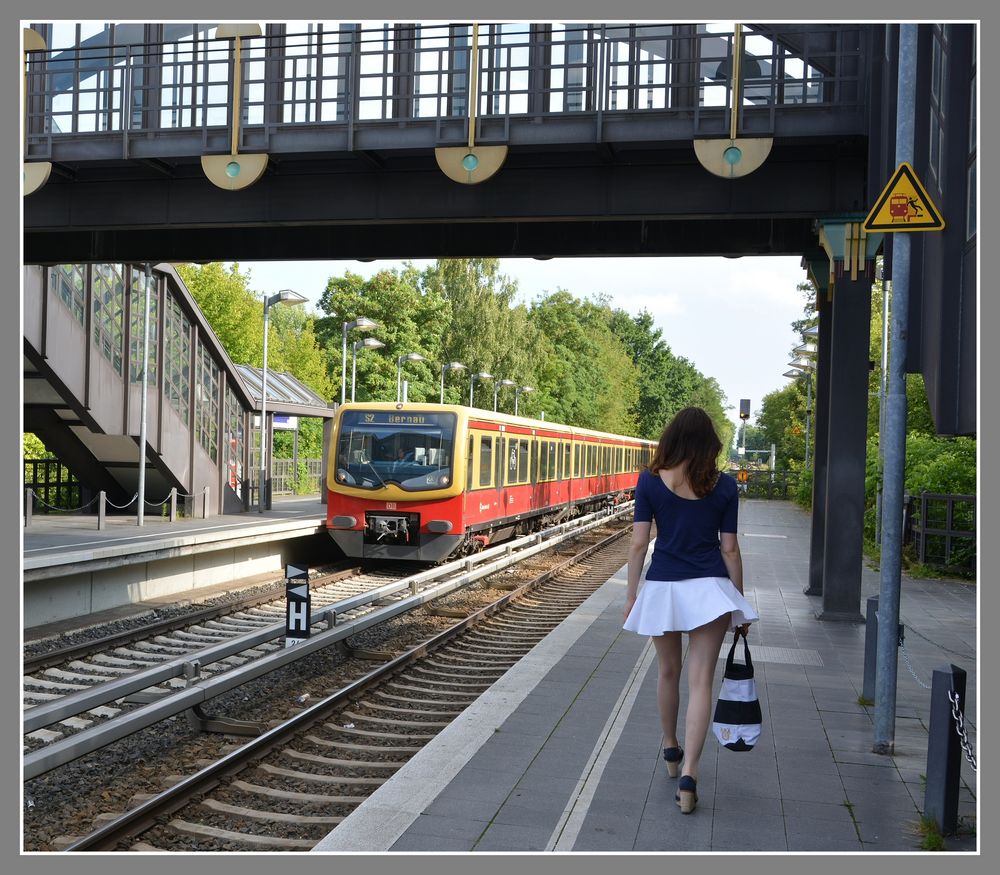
(285, 296)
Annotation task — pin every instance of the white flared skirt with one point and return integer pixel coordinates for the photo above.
(681, 605)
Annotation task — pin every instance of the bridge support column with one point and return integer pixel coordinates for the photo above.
(819, 274)
(851, 253)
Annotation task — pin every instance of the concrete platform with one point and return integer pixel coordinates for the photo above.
(70, 568)
(563, 752)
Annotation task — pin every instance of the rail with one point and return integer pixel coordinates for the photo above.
(311, 79)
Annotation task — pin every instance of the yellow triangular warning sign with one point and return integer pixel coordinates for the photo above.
(904, 205)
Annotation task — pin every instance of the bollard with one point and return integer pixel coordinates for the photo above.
(101, 509)
(29, 506)
(944, 751)
(173, 504)
(204, 506)
(871, 648)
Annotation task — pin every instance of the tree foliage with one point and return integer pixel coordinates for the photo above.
(231, 307)
(410, 319)
(944, 465)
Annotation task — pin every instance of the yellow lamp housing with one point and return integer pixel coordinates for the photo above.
(470, 165)
(233, 172)
(734, 158)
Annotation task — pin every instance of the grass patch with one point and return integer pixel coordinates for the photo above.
(931, 838)
(865, 701)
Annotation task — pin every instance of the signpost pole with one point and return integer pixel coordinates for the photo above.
(895, 423)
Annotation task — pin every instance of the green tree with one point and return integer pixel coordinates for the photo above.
(667, 383)
(409, 320)
(33, 448)
(293, 346)
(487, 331)
(231, 307)
(235, 312)
(589, 378)
(782, 423)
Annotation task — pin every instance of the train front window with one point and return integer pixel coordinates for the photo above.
(410, 450)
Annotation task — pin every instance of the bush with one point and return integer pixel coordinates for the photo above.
(942, 465)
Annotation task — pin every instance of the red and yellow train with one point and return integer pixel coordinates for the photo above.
(432, 481)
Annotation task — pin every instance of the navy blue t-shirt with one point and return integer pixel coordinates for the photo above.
(687, 529)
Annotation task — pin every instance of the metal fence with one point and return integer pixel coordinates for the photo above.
(53, 485)
(330, 74)
(942, 530)
(285, 480)
(779, 485)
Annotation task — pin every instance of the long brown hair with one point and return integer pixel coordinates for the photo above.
(690, 437)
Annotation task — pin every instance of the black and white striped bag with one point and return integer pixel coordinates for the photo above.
(737, 713)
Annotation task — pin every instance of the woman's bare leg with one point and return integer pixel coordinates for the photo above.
(703, 656)
(668, 653)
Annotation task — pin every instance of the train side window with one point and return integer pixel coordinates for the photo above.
(512, 454)
(522, 461)
(543, 462)
(485, 460)
(576, 461)
(472, 444)
(559, 461)
(567, 460)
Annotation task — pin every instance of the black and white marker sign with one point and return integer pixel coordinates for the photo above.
(297, 607)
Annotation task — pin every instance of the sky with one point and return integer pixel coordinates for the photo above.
(730, 317)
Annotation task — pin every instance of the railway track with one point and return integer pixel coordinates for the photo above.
(286, 789)
(53, 677)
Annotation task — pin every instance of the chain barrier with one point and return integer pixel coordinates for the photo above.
(959, 719)
(122, 506)
(940, 646)
(906, 656)
(63, 509)
(909, 665)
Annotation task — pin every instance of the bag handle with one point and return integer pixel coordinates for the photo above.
(737, 632)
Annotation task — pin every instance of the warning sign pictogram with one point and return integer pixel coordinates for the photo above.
(904, 205)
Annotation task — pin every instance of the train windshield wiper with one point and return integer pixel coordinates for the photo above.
(380, 480)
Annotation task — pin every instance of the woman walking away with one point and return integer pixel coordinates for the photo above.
(694, 583)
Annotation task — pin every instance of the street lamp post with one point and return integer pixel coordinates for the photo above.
(451, 366)
(365, 343)
(497, 385)
(360, 322)
(284, 296)
(803, 367)
(481, 375)
(517, 395)
(408, 357)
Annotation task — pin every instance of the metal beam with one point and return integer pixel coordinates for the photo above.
(732, 238)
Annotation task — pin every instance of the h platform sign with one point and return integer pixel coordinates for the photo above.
(297, 608)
